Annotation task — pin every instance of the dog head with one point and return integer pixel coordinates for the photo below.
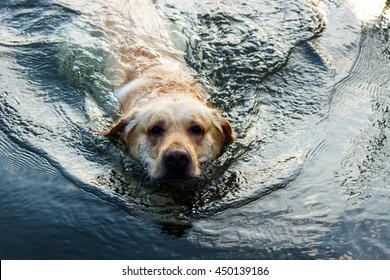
(173, 136)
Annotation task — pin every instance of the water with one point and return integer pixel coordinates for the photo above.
(305, 85)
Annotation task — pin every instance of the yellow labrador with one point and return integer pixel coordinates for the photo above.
(167, 124)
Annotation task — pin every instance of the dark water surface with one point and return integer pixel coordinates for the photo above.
(306, 85)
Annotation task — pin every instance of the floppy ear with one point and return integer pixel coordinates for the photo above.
(124, 125)
(226, 126)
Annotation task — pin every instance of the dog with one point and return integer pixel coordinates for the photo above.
(167, 124)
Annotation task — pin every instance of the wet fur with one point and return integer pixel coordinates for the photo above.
(165, 109)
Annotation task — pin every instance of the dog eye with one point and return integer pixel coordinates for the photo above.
(156, 130)
(196, 129)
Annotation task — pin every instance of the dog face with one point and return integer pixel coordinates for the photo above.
(173, 136)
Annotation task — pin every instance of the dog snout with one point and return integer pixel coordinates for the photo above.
(177, 158)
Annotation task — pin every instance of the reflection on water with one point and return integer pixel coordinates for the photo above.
(367, 11)
(306, 86)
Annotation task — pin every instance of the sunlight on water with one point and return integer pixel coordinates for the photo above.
(367, 11)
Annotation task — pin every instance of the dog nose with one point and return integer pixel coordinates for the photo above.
(177, 157)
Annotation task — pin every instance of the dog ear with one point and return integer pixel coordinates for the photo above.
(226, 127)
(124, 125)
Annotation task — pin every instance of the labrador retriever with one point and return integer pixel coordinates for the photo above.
(167, 123)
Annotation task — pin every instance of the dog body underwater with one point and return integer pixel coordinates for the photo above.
(167, 123)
